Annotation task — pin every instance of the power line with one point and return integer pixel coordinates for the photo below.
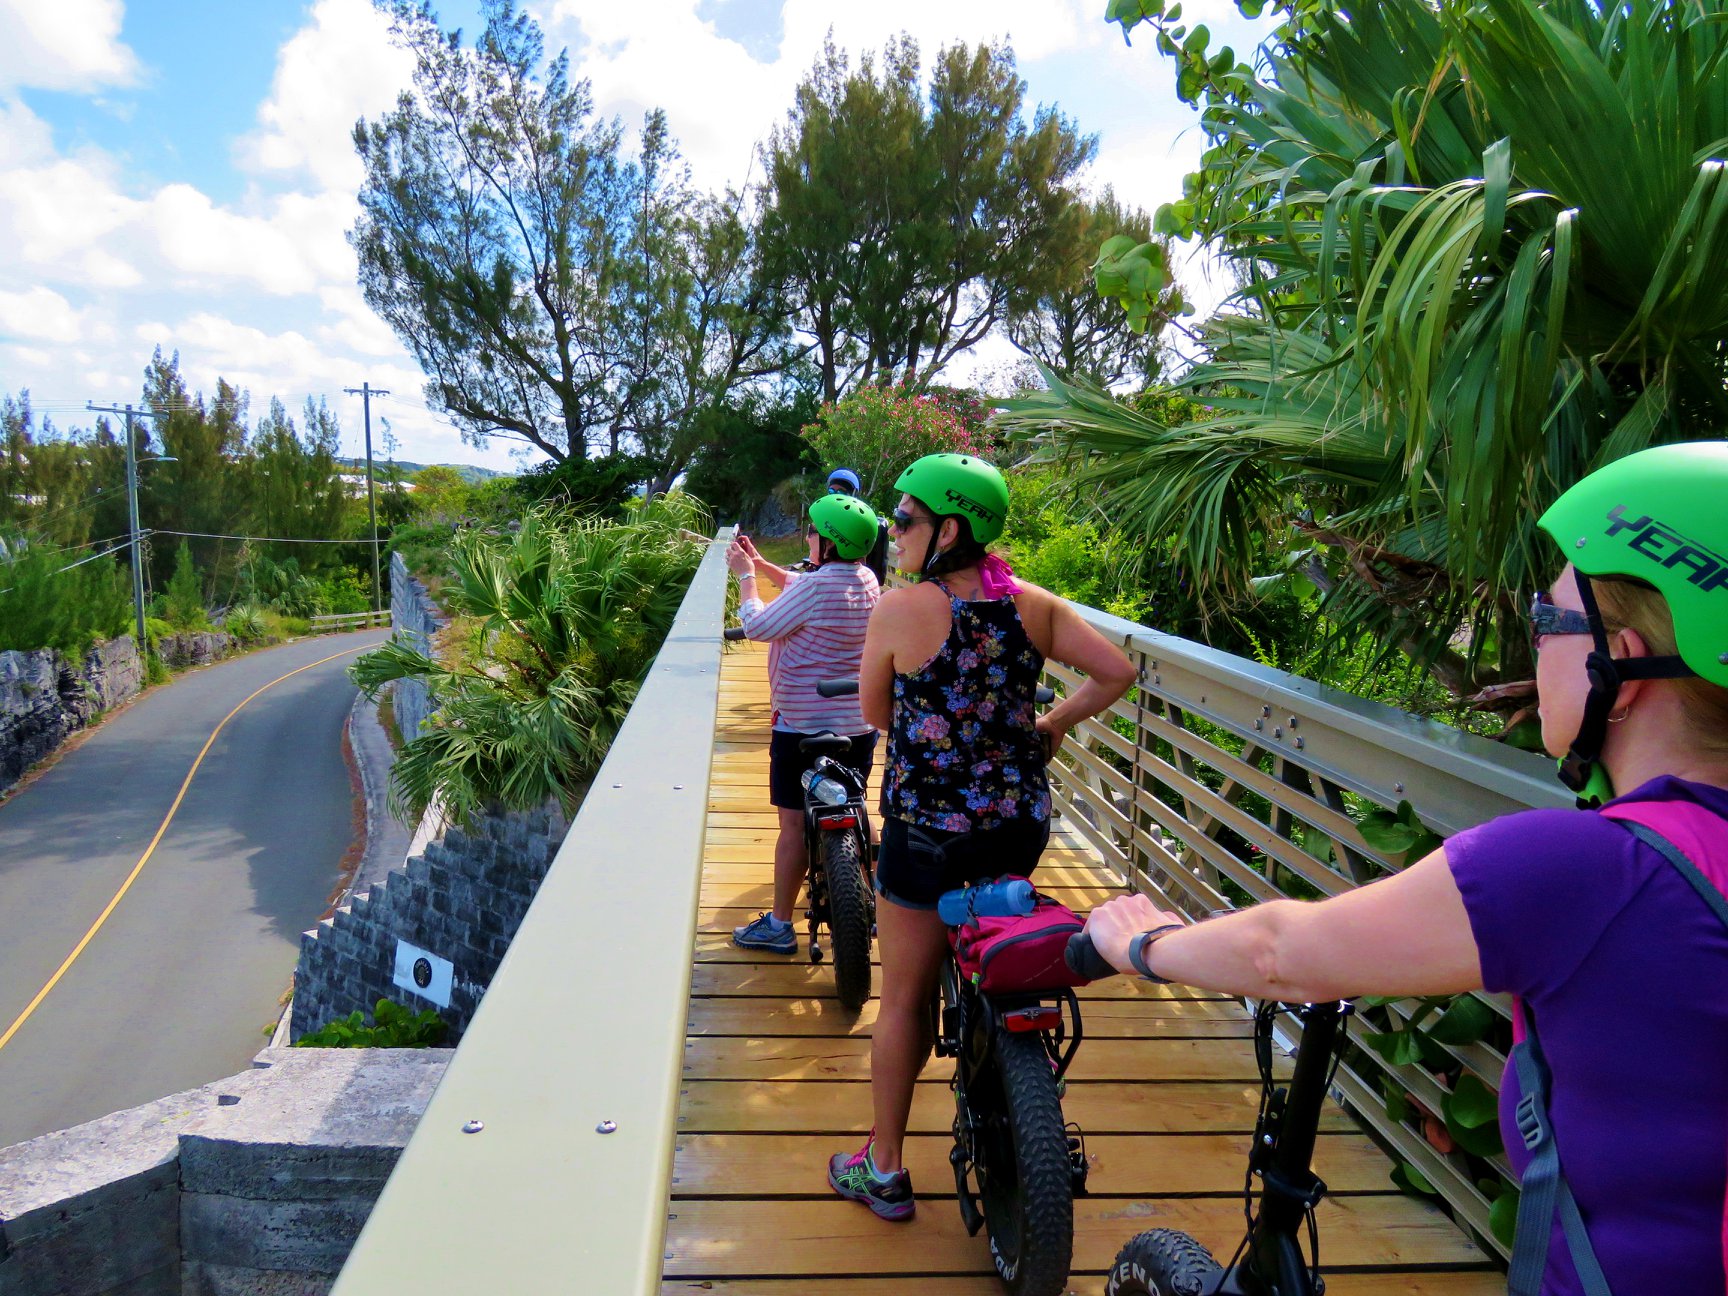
(207, 535)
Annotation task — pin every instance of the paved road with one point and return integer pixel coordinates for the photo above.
(176, 987)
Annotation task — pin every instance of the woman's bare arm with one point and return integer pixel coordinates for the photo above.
(1405, 935)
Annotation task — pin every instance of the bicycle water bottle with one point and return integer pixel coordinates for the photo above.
(1004, 899)
(823, 789)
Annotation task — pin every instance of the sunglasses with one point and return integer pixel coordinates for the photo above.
(904, 521)
(1548, 618)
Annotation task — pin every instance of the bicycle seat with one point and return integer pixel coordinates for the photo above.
(825, 742)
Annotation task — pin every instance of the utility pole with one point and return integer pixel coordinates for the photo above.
(365, 391)
(132, 509)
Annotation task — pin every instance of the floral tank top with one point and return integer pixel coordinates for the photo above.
(963, 754)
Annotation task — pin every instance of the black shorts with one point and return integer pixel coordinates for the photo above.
(916, 866)
(786, 764)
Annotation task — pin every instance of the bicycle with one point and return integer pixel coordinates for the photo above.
(1011, 1054)
(1269, 1261)
(837, 848)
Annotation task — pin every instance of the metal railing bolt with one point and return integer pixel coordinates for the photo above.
(1397, 787)
(1259, 724)
(1292, 722)
(1298, 744)
(1277, 731)
(1266, 711)
(473, 1126)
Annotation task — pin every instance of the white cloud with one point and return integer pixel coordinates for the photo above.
(60, 218)
(43, 315)
(63, 45)
(294, 248)
(339, 67)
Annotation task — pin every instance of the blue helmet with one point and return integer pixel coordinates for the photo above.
(843, 479)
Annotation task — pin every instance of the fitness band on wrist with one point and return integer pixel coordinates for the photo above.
(1137, 951)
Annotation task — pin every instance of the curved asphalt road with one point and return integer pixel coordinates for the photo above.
(177, 987)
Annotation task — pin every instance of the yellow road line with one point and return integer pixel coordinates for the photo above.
(154, 842)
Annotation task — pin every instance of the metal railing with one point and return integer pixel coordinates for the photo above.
(348, 621)
(1220, 781)
(543, 1162)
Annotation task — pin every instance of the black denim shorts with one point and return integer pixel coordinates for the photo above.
(916, 866)
(786, 764)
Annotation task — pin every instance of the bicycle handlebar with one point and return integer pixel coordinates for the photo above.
(1084, 960)
(832, 688)
(733, 633)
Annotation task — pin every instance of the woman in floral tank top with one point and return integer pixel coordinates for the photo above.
(949, 672)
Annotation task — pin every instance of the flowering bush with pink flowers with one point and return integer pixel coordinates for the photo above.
(877, 431)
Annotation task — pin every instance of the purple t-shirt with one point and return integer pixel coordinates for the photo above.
(1626, 970)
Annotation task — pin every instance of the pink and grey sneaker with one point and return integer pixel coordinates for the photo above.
(855, 1178)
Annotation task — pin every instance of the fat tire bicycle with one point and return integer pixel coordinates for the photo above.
(1270, 1260)
(1018, 1164)
(837, 846)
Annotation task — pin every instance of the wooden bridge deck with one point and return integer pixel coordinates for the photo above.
(776, 1078)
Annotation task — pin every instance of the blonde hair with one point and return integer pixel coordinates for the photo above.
(1636, 606)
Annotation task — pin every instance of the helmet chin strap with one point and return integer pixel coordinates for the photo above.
(931, 552)
(1581, 768)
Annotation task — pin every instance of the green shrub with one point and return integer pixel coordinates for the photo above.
(877, 431)
(395, 1027)
(245, 623)
(182, 605)
(46, 604)
(595, 487)
(553, 629)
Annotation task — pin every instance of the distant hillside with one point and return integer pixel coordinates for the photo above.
(473, 474)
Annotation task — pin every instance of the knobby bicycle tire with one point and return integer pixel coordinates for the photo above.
(1029, 1210)
(1160, 1262)
(848, 917)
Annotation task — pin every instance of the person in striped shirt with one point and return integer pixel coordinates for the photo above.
(815, 630)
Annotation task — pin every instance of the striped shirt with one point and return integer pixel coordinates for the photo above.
(816, 632)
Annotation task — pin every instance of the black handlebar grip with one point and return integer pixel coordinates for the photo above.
(1084, 960)
(837, 687)
(733, 632)
(1043, 696)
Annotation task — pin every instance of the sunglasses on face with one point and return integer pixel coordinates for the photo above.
(1548, 618)
(904, 521)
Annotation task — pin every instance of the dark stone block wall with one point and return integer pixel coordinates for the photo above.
(414, 617)
(463, 900)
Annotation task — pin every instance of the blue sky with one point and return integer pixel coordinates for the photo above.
(178, 173)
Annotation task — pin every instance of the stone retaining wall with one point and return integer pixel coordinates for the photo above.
(254, 1184)
(195, 647)
(416, 618)
(462, 900)
(45, 697)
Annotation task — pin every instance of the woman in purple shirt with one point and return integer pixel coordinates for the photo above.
(1618, 953)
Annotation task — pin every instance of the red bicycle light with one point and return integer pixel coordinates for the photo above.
(836, 821)
(1042, 1018)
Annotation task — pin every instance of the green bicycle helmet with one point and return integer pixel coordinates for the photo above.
(1657, 516)
(958, 485)
(846, 520)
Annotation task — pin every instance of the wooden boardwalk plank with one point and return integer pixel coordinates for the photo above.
(1433, 1283)
(777, 1165)
(776, 1078)
(821, 1237)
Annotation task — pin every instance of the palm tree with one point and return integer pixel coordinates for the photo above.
(1484, 246)
(565, 618)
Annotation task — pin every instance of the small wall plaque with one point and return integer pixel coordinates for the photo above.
(423, 973)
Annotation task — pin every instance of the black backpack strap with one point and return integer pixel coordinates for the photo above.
(1705, 888)
(1544, 1186)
